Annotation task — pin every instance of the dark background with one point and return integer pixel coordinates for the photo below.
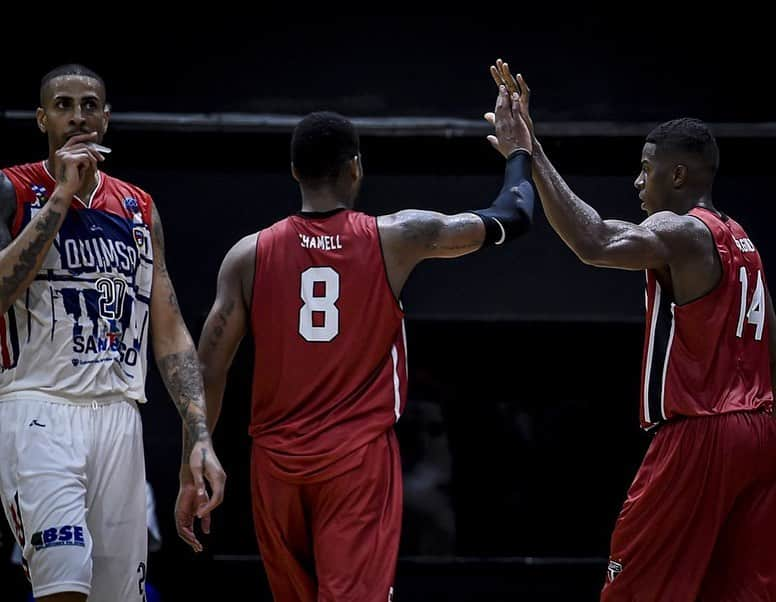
(521, 436)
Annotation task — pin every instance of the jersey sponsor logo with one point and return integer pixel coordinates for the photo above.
(324, 243)
(745, 245)
(66, 535)
(615, 568)
(98, 255)
(36, 423)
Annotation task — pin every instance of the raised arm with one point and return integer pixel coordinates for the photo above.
(176, 358)
(411, 236)
(660, 240)
(21, 258)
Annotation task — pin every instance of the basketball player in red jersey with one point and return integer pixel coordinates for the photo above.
(319, 291)
(699, 522)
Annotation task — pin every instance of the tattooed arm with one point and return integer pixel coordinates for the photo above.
(227, 322)
(21, 258)
(408, 237)
(221, 335)
(177, 361)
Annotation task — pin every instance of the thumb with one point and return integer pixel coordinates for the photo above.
(490, 117)
(493, 142)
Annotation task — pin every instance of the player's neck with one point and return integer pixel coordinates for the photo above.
(320, 201)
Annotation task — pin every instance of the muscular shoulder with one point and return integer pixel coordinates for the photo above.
(410, 226)
(683, 232)
(239, 265)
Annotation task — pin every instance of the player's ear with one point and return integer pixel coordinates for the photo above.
(294, 173)
(106, 118)
(40, 117)
(356, 169)
(679, 176)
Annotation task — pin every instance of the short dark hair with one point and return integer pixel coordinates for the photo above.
(322, 142)
(687, 135)
(69, 69)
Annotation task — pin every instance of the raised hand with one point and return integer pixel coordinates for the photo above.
(512, 132)
(74, 160)
(503, 76)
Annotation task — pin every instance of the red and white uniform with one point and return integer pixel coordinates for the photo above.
(329, 383)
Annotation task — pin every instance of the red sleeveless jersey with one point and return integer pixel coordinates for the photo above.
(330, 370)
(709, 356)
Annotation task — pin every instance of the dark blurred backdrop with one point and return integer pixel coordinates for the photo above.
(521, 436)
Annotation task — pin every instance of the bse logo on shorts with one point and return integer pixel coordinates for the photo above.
(615, 568)
(66, 535)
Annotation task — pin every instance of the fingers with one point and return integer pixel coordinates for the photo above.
(496, 75)
(186, 533)
(526, 91)
(506, 77)
(206, 524)
(184, 522)
(217, 479)
(80, 138)
(490, 117)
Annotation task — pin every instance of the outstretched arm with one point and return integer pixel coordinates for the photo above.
(607, 243)
(411, 236)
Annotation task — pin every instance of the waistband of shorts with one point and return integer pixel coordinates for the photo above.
(70, 401)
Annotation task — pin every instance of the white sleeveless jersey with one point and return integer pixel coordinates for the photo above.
(79, 332)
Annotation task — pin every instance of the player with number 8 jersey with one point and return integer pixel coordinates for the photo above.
(322, 278)
(320, 292)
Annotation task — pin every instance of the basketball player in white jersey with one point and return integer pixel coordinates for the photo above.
(82, 276)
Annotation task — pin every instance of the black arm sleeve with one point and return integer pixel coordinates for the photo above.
(511, 214)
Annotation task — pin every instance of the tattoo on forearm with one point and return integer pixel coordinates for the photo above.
(181, 375)
(221, 319)
(46, 229)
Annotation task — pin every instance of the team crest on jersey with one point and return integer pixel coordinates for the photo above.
(41, 195)
(131, 204)
(615, 568)
(139, 234)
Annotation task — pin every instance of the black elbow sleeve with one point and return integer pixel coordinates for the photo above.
(511, 214)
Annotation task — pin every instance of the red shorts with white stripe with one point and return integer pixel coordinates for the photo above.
(332, 540)
(699, 523)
